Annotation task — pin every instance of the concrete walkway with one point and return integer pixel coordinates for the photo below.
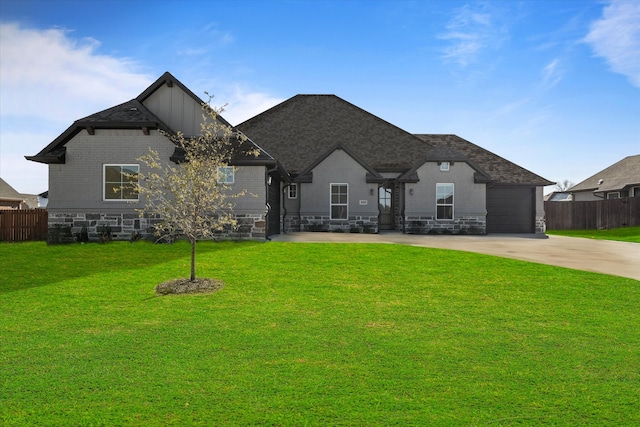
(601, 256)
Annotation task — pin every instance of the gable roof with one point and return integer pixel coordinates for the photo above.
(300, 129)
(129, 115)
(498, 169)
(11, 195)
(619, 175)
(307, 174)
(8, 192)
(444, 153)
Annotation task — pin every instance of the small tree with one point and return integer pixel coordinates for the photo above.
(192, 198)
(564, 185)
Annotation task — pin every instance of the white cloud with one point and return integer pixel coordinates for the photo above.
(616, 38)
(552, 73)
(48, 73)
(244, 104)
(475, 28)
(48, 80)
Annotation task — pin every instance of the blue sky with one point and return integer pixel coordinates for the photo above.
(553, 86)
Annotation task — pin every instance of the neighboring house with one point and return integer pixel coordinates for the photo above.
(11, 199)
(352, 170)
(622, 179)
(558, 196)
(100, 152)
(324, 164)
(43, 199)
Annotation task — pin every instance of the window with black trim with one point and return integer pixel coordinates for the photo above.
(444, 201)
(120, 182)
(339, 201)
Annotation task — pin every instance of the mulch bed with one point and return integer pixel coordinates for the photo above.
(186, 286)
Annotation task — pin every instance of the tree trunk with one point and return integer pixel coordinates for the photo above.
(193, 260)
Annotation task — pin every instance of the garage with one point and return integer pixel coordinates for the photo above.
(511, 209)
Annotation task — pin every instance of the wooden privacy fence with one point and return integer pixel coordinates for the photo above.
(21, 225)
(593, 215)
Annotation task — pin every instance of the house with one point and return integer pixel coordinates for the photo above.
(43, 199)
(558, 196)
(351, 170)
(11, 199)
(622, 179)
(324, 164)
(99, 153)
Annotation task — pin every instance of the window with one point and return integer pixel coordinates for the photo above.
(444, 201)
(226, 175)
(293, 191)
(444, 166)
(615, 195)
(635, 192)
(339, 201)
(120, 182)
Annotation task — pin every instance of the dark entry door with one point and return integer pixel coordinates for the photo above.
(273, 216)
(385, 205)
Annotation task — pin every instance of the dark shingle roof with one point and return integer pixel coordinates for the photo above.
(499, 170)
(131, 115)
(298, 131)
(619, 175)
(301, 129)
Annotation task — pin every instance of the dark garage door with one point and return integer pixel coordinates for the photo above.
(510, 209)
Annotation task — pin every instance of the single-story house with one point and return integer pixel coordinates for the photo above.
(352, 170)
(558, 196)
(324, 164)
(621, 179)
(10, 199)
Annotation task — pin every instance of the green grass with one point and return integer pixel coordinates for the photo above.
(626, 234)
(312, 334)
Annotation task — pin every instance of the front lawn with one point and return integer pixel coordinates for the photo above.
(626, 234)
(312, 334)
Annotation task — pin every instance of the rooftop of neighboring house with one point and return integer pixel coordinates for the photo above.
(618, 176)
(10, 197)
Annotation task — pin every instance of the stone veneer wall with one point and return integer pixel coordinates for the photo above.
(541, 224)
(361, 224)
(124, 226)
(428, 224)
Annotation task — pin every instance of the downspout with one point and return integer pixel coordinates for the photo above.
(284, 208)
(404, 207)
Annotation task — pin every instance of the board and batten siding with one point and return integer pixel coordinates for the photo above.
(176, 109)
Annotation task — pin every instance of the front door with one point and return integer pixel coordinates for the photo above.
(385, 205)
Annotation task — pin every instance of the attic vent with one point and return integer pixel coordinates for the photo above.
(133, 109)
(600, 181)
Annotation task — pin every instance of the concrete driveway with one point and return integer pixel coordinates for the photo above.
(600, 256)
